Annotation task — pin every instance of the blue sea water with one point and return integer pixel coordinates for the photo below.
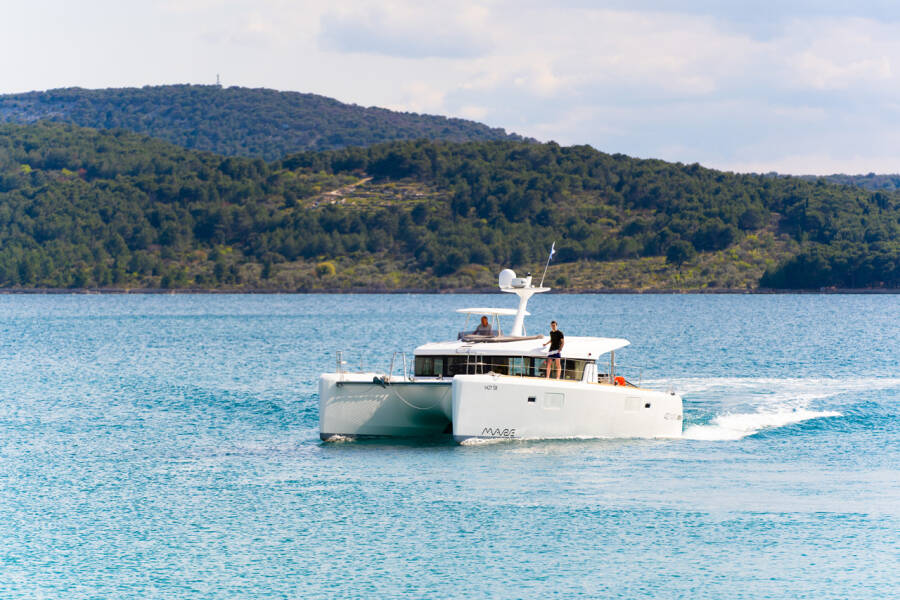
(167, 447)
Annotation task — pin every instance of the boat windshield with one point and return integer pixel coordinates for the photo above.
(486, 326)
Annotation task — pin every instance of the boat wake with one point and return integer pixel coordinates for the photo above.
(734, 408)
(475, 441)
(739, 425)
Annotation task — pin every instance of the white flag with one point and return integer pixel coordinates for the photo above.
(552, 250)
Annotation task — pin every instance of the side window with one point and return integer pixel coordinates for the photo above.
(429, 366)
(519, 365)
(422, 367)
(496, 364)
(574, 369)
(571, 369)
(456, 365)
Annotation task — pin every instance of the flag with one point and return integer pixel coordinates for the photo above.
(549, 258)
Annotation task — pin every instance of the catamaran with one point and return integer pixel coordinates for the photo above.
(493, 385)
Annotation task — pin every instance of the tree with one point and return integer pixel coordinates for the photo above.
(680, 252)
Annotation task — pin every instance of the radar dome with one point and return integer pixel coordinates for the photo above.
(506, 277)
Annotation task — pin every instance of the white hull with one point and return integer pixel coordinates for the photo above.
(492, 407)
(351, 404)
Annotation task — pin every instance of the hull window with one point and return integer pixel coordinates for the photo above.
(554, 401)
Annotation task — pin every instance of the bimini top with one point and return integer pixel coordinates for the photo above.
(585, 348)
(503, 312)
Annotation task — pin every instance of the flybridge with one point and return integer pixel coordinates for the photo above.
(508, 282)
(517, 342)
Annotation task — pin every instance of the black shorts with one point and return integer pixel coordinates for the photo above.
(554, 355)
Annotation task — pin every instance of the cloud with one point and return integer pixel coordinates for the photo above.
(471, 111)
(404, 30)
(817, 164)
(769, 85)
(420, 97)
(252, 31)
(682, 86)
(831, 54)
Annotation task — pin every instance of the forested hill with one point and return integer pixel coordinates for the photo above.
(871, 181)
(81, 208)
(238, 121)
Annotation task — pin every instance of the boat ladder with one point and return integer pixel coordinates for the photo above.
(404, 373)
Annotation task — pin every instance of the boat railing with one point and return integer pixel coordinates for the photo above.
(623, 374)
(398, 361)
(342, 362)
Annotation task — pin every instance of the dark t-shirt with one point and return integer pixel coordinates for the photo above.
(556, 340)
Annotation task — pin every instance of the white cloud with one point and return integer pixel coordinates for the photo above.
(403, 29)
(816, 164)
(777, 85)
(473, 112)
(420, 97)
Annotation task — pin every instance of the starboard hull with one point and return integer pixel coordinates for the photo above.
(497, 407)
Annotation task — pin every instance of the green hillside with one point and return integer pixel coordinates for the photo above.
(870, 181)
(237, 121)
(86, 208)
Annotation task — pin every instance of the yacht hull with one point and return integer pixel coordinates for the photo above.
(492, 407)
(362, 404)
(498, 407)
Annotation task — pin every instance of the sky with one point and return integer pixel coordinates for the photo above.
(795, 87)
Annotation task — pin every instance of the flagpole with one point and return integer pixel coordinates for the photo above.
(552, 252)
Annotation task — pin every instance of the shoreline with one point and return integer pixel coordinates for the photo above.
(486, 290)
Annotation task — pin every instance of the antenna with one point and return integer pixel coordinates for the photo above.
(521, 287)
(218, 81)
(552, 252)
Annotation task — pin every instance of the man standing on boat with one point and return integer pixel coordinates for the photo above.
(557, 341)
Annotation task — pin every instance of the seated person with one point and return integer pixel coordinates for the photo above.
(484, 328)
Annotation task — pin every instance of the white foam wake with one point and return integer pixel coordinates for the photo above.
(744, 406)
(740, 425)
(475, 441)
(776, 389)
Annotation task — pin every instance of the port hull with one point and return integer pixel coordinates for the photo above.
(362, 405)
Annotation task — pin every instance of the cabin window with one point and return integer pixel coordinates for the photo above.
(519, 365)
(456, 365)
(449, 366)
(577, 369)
(496, 364)
(572, 369)
(429, 366)
(466, 365)
(476, 364)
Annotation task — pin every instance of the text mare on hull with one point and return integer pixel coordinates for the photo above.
(487, 384)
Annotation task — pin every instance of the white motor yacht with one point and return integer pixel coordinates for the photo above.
(493, 385)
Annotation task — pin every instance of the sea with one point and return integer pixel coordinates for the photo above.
(167, 446)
